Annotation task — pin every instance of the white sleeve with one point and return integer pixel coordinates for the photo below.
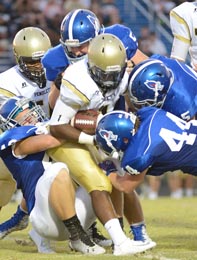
(62, 113)
(180, 31)
(179, 49)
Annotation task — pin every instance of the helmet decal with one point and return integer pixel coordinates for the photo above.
(154, 85)
(114, 132)
(149, 83)
(95, 23)
(108, 135)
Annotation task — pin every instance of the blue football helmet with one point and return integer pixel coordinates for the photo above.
(13, 106)
(149, 83)
(78, 27)
(114, 132)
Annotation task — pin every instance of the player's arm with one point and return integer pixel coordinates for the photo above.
(181, 41)
(70, 133)
(35, 144)
(128, 182)
(68, 104)
(55, 90)
(53, 95)
(139, 57)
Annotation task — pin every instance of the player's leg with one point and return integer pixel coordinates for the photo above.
(19, 220)
(153, 187)
(54, 215)
(86, 172)
(188, 185)
(134, 215)
(132, 209)
(175, 184)
(117, 198)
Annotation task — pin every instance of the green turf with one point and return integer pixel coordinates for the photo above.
(171, 223)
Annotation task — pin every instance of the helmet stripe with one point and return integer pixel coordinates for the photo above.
(72, 19)
(142, 67)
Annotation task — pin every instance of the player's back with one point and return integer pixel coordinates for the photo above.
(162, 143)
(126, 36)
(181, 99)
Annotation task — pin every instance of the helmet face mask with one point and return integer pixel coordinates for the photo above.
(107, 80)
(10, 116)
(106, 61)
(32, 69)
(29, 46)
(149, 83)
(77, 28)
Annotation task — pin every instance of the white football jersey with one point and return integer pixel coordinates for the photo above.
(14, 83)
(183, 21)
(79, 92)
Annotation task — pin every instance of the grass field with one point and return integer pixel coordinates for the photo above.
(171, 223)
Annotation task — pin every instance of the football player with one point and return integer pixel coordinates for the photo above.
(101, 79)
(165, 83)
(183, 22)
(150, 143)
(26, 78)
(171, 85)
(77, 29)
(184, 29)
(47, 187)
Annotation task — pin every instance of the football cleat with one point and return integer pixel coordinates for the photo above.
(86, 246)
(97, 237)
(140, 235)
(18, 221)
(129, 247)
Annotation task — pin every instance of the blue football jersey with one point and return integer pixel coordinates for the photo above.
(181, 99)
(26, 171)
(126, 36)
(54, 62)
(163, 142)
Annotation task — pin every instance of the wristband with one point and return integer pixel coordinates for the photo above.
(86, 139)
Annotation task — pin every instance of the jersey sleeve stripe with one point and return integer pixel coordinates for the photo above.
(6, 93)
(183, 22)
(75, 91)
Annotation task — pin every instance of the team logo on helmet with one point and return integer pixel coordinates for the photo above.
(154, 85)
(108, 135)
(95, 22)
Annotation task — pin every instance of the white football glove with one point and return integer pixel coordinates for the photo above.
(42, 128)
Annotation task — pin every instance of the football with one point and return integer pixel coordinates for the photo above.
(86, 120)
